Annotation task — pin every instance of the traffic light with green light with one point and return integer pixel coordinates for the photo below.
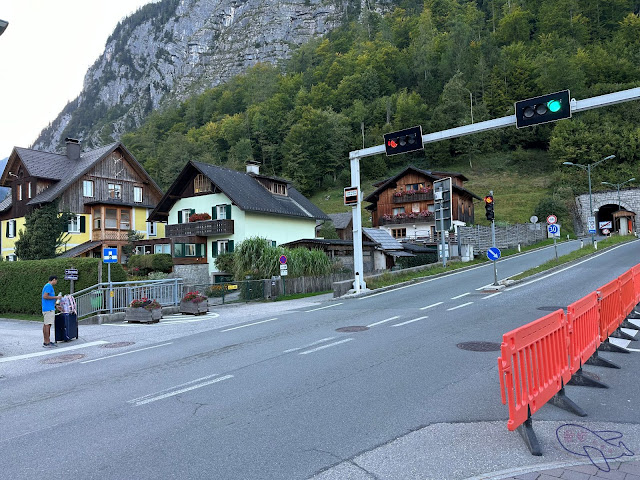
(488, 207)
(403, 141)
(547, 108)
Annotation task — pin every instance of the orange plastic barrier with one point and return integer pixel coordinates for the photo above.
(636, 281)
(584, 332)
(627, 293)
(610, 308)
(533, 365)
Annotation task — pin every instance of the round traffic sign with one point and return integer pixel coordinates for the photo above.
(533, 219)
(283, 259)
(551, 219)
(493, 253)
(605, 231)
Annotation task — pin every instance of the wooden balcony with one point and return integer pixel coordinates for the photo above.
(416, 197)
(203, 228)
(395, 220)
(109, 235)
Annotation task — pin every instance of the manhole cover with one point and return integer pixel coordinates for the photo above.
(356, 328)
(479, 346)
(117, 344)
(64, 358)
(550, 308)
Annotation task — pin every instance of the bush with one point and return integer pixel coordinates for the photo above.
(144, 264)
(419, 259)
(21, 282)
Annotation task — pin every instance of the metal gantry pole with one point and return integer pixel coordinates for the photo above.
(358, 261)
(444, 257)
(593, 239)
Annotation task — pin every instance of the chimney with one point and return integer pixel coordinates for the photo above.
(73, 148)
(253, 167)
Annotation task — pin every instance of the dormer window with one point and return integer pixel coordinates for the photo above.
(278, 188)
(201, 184)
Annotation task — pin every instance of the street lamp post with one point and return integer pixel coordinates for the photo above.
(588, 169)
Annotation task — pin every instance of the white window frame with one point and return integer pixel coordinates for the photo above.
(223, 246)
(19, 193)
(185, 214)
(152, 229)
(11, 258)
(189, 249)
(87, 188)
(29, 190)
(221, 212)
(74, 221)
(12, 228)
(137, 189)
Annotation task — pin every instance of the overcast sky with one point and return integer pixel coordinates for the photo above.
(44, 53)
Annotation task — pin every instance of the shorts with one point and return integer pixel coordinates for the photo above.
(49, 317)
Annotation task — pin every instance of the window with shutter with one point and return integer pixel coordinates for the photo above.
(214, 215)
(228, 212)
(83, 224)
(230, 246)
(214, 249)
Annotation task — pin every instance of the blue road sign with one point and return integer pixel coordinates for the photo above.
(110, 255)
(283, 259)
(554, 230)
(493, 253)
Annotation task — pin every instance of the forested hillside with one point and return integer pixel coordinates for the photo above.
(420, 64)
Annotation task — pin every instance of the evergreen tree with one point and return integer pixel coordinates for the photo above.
(45, 231)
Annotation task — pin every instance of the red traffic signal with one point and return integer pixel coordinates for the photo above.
(403, 141)
(488, 199)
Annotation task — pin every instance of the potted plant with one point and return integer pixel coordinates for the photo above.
(143, 310)
(199, 217)
(194, 303)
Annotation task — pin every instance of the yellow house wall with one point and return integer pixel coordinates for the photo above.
(9, 244)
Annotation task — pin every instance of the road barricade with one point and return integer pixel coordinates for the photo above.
(610, 308)
(533, 369)
(636, 282)
(627, 293)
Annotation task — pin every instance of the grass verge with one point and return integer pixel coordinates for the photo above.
(22, 316)
(300, 295)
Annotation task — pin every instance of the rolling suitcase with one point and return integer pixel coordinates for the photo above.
(66, 326)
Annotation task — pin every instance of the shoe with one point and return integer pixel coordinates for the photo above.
(51, 344)
(46, 345)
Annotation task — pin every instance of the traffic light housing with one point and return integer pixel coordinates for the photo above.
(547, 108)
(488, 207)
(403, 141)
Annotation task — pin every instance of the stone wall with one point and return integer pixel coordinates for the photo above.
(629, 200)
(192, 274)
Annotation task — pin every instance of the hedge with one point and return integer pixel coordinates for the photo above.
(157, 262)
(21, 282)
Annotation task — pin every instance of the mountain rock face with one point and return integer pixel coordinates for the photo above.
(168, 51)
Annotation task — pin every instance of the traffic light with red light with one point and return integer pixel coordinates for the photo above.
(403, 141)
(547, 108)
(488, 207)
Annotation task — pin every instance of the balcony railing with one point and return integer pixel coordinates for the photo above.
(203, 228)
(397, 220)
(416, 197)
(99, 235)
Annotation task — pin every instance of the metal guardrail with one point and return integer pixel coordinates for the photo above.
(114, 297)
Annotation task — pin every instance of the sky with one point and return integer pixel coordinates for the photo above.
(44, 54)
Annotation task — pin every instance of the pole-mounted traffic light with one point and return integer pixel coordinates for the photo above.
(488, 207)
(547, 108)
(403, 141)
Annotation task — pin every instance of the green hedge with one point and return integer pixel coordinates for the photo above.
(157, 262)
(21, 282)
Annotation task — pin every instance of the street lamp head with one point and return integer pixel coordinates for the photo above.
(607, 183)
(608, 158)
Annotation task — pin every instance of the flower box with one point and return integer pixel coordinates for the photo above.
(142, 315)
(194, 308)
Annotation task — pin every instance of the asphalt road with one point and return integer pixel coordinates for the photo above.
(290, 394)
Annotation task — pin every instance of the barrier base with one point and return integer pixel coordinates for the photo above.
(629, 325)
(561, 400)
(624, 336)
(598, 361)
(579, 379)
(607, 346)
(529, 437)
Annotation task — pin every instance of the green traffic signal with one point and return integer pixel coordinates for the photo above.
(554, 105)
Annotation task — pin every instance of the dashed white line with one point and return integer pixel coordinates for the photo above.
(156, 396)
(326, 346)
(52, 351)
(409, 321)
(249, 325)
(492, 295)
(322, 308)
(383, 321)
(127, 353)
(459, 306)
(309, 345)
(460, 296)
(431, 306)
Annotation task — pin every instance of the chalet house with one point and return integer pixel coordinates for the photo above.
(107, 189)
(343, 223)
(209, 210)
(404, 206)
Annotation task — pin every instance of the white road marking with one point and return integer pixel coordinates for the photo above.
(484, 286)
(409, 321)
(52, 351)
(629, 331)
(326, 346)
(492, 295)
(620, 342)
(460, 296)
(635, 321)
(322, 308)
(168, 320)
(459, 306)
(157, 396)
(249, 325)
(309, 345)
(565, 269)
(126, 353)
(383, 321)
(432, 305)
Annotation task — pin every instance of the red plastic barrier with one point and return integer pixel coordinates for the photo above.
(610, 308)
(533, 365)
(636, 281)
(627, 293)
(584, 332)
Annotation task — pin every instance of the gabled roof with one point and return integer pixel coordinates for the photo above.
(244, 190)
(80, 249)
(60, 168)
(390, 182)
(341, 220)
(6, 203)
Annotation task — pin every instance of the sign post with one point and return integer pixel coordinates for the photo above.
(442, 197)
(553, 231)
(72, 275)
(109, 256)
(283, 272)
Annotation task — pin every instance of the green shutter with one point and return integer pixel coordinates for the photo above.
(179, 216)
(230, 246)
(66, 227)
(214, 248)
(228, 211)
(192, 211)
(83, 224)
(198, 249)
(214, 213)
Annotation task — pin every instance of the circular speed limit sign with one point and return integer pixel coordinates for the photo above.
(551, 219)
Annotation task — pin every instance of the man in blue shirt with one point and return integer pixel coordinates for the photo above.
(49, 309)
